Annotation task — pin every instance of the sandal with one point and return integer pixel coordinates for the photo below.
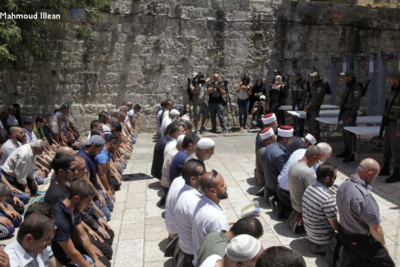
(246, 127)
(241, 127)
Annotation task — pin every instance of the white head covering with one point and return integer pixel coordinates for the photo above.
(174, 112)
(180, 139)
(266, 133)
(285, 131)
(262, 97)
(269, 118)
(243, 248)
(205, 143)
(311, 138)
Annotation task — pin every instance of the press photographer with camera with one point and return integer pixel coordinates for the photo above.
(243, 92)
(216, 90)
(200, 107)
(259, 110)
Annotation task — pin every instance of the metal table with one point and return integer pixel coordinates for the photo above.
(290, 107)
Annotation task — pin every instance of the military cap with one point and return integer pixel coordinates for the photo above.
(349, 73)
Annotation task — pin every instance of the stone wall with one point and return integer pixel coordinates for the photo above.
(143, 51)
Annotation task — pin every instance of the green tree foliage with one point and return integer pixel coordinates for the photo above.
(21, 38)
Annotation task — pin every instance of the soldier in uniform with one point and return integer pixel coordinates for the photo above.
(391, 139)
(348, 112)
(299, 96)
(315, 100)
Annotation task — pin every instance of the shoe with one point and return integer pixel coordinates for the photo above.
(385, 171)
(196, 130)
(246, 127)
(278, 209)
(271, 201)
(260, 192)
(297, 225)
(224, 131)
(241, 127)
(161, 202)
(349, 159)
(395, 177)
(344, 154)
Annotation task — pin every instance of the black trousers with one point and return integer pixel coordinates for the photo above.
(17, 207)
(367, 249)
(115, 184)
(105, 248)
(284, 197)
(110, 240)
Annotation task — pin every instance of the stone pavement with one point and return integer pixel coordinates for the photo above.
(139, 225)
(140, 234)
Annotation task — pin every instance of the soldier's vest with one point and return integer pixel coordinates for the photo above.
(314, 91)
(394, 112)
(298, 91)
(350, 98)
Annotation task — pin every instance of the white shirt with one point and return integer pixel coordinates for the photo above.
(284, 176)
(8, 147)
(21, 164)
(12, 120)
(171, 143)
(211, 261)
(208, 217)
(184, 211)
(19, 257)
(167, 121)
(173, 194)
(30, 136)
(165, 168)
(158, 120)
(242, 95)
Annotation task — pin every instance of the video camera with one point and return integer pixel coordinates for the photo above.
(200, 79)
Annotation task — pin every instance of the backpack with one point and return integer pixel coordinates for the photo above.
(189, 91)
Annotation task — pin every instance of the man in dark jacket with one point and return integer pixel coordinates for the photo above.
(299, 96)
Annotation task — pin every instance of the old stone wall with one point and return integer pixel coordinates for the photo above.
(143, 51)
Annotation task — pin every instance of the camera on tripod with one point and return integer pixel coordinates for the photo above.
(198, 78)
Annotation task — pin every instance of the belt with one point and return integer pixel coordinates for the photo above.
(285, 191)
(352, 234)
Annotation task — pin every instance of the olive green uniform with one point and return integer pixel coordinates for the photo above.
(391, 143)
(351, 104)
(299, 96)
(315, 100)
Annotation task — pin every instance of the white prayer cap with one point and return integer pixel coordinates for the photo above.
(285, 131)
(311, 138)
(174, 112)
(243, 248)
(262, 97)
(205, 143)
(180, 139)
(267, 133)
(185, 118)
(269, 118)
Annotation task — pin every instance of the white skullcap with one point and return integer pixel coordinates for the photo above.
(311, 138)
(243, 248)
(262, 97)
(285, 131)
(266, 133)
(269, 118)
(174, 112)
(205, 143)
(180, 139)
(185, 118)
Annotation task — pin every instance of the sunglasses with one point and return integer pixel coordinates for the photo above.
(214, 175)
(71, 169)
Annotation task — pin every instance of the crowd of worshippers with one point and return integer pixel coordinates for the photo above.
(197, 225)
(297, 182)
(70, 228)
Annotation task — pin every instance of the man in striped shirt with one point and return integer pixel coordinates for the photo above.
(319, 209)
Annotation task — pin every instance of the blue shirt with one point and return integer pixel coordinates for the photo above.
(5, 125)
(103, 157)
(176, 165)
(66, 221)
(90, 165)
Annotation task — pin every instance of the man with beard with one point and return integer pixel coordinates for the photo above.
(209, 216)
(15, 141)
(268, 137)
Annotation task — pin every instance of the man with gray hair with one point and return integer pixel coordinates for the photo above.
(173, 116)
(56, 127)
(243, 250)
(301, 177)
(19, 168)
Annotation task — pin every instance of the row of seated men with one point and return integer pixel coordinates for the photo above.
(297, 182)
(83, 237)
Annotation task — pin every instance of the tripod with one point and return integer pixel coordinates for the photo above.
(228, 101)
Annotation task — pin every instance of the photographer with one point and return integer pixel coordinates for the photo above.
(243, 92)
(258, 90)
(259, 110)
(216, 90)
(200, 107)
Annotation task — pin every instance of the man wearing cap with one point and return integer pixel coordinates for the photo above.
(274, 158)
(167, 163)
(92, 148)
(258, 110)
(268, 137)
(269, 120)
(173, 116)
(200, 107)
(299, 96)
(189, 146)
(216, 91)
(348, 112)
(300, 142)
(243, 250)
(187, 125)
(209, 216)
(300, 177)
(315, 100)
(158, 155)
(204, 151)
(391, 139)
